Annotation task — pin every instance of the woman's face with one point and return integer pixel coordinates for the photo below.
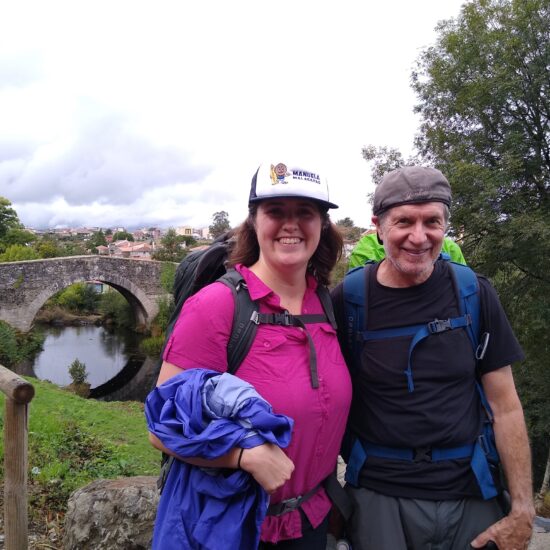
(288, 232)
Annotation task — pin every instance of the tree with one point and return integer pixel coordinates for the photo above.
(384, 159)
(345, 222)
(8, 218)
(98, 239)
(348, 229)
(123, 236)
(78, 372)
(16, 235)
(18, 253)
(47, 247)
(484, 101)
(78, 298)
(171, 249)
(220, 223)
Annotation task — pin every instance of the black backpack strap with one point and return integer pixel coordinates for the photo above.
(326, 302)
(243, 330)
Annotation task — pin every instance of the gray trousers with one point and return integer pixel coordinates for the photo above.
(380, 522)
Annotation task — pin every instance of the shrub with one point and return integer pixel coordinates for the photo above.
(78, 298)
(16, 346)
(17, 253)
(152, 346)
(77, 371)
(115, 307)
(8, 345)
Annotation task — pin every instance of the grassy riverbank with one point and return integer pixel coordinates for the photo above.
(73, 441)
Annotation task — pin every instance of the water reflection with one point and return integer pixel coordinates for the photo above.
(105, 354)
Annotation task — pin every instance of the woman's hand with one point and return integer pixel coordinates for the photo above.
(268, 465)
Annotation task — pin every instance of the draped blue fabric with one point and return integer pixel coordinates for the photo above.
(202, 413)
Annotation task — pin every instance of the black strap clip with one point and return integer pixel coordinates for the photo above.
(285, 506)
(422, 454)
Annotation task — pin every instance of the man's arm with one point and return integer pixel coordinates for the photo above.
(513, 531)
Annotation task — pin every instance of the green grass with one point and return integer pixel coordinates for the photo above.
(73, 441)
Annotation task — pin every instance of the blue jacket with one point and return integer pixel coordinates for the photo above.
(202, 413)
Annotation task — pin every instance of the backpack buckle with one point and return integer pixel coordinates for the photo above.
(255, 317)
(422, 454)
(285, 506)
(286, 320)
(439, 325)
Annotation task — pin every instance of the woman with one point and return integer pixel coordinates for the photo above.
(285, 248)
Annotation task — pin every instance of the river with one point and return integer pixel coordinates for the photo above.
(112, 358)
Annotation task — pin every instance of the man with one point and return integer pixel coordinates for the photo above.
(370, 248)
(417, 418)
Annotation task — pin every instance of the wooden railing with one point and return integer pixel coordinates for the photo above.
(19, 393)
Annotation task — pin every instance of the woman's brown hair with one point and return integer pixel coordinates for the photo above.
(246, 249)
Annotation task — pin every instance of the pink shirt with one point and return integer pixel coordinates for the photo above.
(278, 368)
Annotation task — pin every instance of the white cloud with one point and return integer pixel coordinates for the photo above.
(139, 113)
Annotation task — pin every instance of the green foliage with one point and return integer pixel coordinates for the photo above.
(18, 253)
(166, 308)
(220, 223)
(171, 247)
(337, 274)
(73, 441)
(16, 347)
(9, 352)
(8, 218)
(47, 248)
(483, 92)
(152, 346)
(167, 276)
(72, 248)
(98, 239)
(77, 298)
(348, 229)
(16, 235)
(384, 159)
(78, 372)
(115, 307)
(122, 236)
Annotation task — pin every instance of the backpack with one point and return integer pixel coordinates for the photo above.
(203, 267)
(483, 452)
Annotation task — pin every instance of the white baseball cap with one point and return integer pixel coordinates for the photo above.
(282, 180)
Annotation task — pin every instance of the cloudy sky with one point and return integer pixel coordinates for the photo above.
(158, 112)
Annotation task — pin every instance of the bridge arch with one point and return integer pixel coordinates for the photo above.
(25, 286)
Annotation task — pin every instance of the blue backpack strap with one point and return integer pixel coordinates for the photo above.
(355, 291)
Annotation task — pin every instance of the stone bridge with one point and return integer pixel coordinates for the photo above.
(25, 286)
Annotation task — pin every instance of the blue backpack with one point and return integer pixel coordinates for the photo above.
(483, 451)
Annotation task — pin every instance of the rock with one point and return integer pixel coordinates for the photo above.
(112, 514)
(542, 523)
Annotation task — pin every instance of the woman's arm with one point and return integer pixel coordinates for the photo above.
(267, 463)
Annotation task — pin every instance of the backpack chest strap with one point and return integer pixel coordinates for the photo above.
(288, 320)
(418, 332)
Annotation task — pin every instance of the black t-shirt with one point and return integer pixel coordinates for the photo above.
(444, 408)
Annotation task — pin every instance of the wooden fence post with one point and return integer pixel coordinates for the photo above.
(19, 393)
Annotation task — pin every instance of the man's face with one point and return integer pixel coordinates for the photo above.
(412, 235)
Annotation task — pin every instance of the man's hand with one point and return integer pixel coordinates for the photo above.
(513, 532)
(269, 466)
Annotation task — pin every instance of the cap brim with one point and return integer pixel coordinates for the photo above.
(323, 203)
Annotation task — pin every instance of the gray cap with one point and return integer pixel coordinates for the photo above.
(410, 185)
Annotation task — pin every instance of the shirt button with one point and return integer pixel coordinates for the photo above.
(266, 344)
